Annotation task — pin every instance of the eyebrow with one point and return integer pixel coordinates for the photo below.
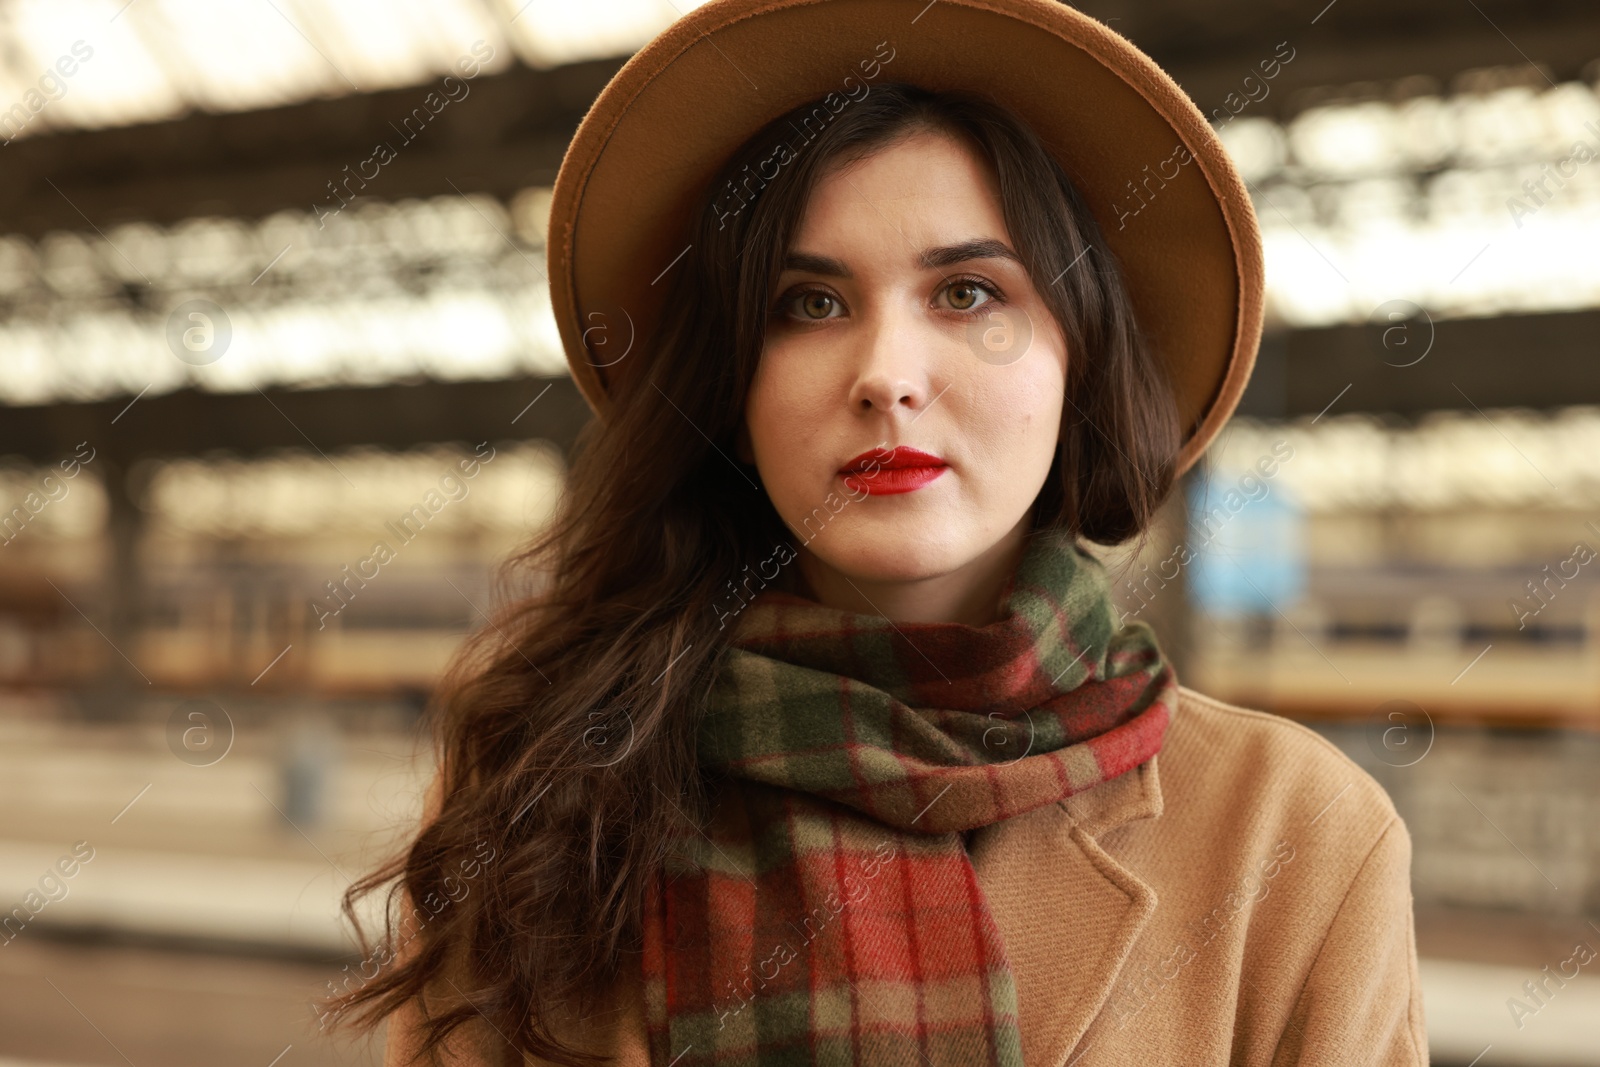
(927, 259)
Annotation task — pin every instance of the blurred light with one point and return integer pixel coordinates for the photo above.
(64, 508)
(1341, 142)
(445, 289)
(311, 496)
(116, 79)
(1499, 459)
(1257, 146)
(1478, 204)
(156, 59)
(548, 33)
(229, 57)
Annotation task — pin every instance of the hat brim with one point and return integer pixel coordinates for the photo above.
(1169, 201)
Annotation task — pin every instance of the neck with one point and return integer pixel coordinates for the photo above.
(970, 594)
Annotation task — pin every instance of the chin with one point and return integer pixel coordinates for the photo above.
(890, 552)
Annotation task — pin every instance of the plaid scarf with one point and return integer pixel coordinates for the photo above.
(829, 913)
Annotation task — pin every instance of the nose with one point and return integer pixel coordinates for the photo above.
(891, 368)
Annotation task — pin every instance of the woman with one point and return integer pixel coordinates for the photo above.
(818, 741)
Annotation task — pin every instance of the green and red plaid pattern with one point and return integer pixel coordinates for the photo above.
(830, 914)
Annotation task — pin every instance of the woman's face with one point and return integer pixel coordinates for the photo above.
(903, 321)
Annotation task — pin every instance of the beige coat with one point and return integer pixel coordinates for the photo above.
(1243, 898)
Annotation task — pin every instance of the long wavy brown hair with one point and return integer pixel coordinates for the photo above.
(565, 728)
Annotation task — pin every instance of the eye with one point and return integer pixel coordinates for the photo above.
(969, 294)
(814, 305)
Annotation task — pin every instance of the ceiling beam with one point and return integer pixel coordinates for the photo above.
(1537, 361)
(189, 422)
(507, 133)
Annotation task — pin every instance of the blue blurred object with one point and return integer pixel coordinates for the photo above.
(304, 769)
(1247, 536)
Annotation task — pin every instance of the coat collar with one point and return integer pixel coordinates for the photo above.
(1068, 911)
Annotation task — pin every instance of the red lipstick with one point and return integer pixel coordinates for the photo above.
(883, 472)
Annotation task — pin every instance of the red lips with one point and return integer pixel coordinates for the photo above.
(883, 472)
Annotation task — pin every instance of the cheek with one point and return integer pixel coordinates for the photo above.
(1017, 413)
(1013, 433)
(783, 411)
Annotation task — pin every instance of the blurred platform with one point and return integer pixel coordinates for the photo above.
(76, 1005)
(71, 1004)
(207, 855)
(207, 922)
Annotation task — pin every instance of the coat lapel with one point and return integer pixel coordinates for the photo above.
(1068, 911)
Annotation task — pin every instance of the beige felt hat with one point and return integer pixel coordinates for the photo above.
(1169, 201)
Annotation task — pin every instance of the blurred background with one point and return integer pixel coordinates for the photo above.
(272, 295)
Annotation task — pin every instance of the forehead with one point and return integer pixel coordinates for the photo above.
(929, 182)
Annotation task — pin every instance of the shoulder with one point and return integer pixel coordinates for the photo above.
(1226, 754)
(1224, 728)
(1317, 879)
(1238, 785)
(1279, 868)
